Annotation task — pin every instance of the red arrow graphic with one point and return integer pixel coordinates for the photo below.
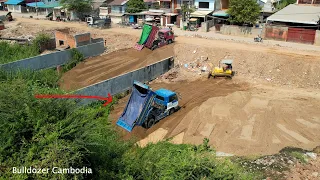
(107, 99)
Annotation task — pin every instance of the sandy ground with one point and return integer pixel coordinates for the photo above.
(272, 102)
(237, 118)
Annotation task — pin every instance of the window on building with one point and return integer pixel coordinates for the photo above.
(204, 5)
(120, 9)
(165, 4)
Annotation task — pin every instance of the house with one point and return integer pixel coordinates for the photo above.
(18, 6)
(204, 8)
(220, 9)
(296, 14)
(118, 8)
(44, 7)
(299, 22)
(97, 3)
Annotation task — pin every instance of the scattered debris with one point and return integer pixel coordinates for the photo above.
(312, 155)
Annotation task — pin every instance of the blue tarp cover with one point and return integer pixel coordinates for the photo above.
(13, 2)
(134, 107)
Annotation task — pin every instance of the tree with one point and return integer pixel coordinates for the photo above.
(284, 3)
(243, 11)
(78, 6)
(135, 6)
(186, 11)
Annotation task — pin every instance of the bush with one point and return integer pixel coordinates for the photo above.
(50, 133)
(76, 57)
(168, 161)
(13, 52)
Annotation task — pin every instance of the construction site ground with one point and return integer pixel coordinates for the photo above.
(272, 102)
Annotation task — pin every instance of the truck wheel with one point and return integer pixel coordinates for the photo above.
(209, 75)
(171, 111)
(150, 122)
(169, 41)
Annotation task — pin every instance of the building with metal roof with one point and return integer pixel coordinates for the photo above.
(295, 13)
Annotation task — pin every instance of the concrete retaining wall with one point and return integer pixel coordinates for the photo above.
(240, 31)
(53, 59)
(124, 82)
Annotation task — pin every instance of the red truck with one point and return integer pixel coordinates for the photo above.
(156, 38)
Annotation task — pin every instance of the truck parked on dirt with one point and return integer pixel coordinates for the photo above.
(146, 107)
(152, 37)
(98, 22)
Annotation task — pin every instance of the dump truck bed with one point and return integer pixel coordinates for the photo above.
(137, 107)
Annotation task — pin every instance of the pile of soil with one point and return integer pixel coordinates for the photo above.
(103, 67)
(236, 118)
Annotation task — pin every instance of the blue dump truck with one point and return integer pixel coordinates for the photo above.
(146, 107)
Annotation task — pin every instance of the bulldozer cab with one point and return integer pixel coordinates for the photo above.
(227, 64)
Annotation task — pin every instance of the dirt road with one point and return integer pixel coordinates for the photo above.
(100, 68)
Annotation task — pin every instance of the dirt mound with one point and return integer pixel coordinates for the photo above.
(239, 120)
(259, 122)
(100, 68)
(192, 94)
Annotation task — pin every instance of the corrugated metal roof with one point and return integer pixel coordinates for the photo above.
(43, 5)
(297, 14)
(36, 4)
(118, 2)
(13, 2)
(200, 13)
(221, 13)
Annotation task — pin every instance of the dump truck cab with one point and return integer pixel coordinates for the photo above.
(165, 36)
(146, 107)
(167, 99)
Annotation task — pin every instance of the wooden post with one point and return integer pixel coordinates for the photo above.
(59, 69)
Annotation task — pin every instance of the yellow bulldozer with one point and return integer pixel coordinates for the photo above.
(223, 70)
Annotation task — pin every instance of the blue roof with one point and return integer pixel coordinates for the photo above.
(36, 4)
(14, 2)
(43, 5)
(164, 92)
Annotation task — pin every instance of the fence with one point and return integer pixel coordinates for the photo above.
(276, 33)
(53, 59)
(240, 30)
(205, 26)
(124, 82)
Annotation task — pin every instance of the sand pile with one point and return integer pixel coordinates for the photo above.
(253, 122)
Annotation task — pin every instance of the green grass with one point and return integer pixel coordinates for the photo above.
(14, 52)
(46, 133)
